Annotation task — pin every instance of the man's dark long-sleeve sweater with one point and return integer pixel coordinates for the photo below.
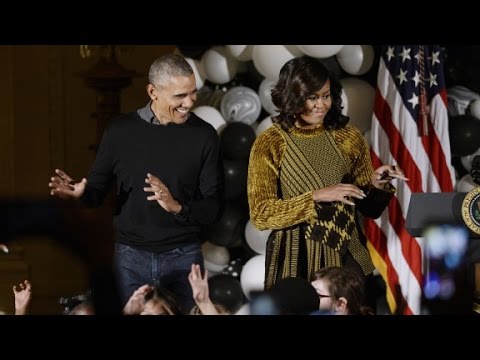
(184, 157)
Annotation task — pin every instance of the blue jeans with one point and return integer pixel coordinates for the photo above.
(134, 268)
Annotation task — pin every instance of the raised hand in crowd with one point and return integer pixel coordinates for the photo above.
(201, 295)
(136, 302)
(23, 296)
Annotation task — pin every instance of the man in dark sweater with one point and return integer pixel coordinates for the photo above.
(167, 167)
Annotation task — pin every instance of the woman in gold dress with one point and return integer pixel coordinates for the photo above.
(307, 176)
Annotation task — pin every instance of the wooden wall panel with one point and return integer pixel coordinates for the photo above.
(80, 126)
(7, 136)
(30, 102)
(56, 107)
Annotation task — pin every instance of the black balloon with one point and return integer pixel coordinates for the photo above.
(464, 131)
(236, 140)
(225, 290)
(236, 172)
(234, 268)
(230, 228)
(193, 51)
(463, 66)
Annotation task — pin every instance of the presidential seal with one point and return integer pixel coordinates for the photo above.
(471, 210)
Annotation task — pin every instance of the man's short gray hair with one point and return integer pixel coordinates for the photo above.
(168, 66)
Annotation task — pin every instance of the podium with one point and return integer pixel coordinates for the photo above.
(428, 208)
(445, 208)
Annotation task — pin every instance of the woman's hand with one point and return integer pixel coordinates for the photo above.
(385, 173)
(338, 192)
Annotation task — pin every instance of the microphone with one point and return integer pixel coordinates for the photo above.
(475, 171)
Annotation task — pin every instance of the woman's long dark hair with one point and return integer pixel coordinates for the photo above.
(300, 78)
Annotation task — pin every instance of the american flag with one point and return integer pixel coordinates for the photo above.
(409, 129)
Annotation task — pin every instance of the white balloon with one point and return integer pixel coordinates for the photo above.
(331, 63)
(475, 109)
(241, 104)
(320, 51)
(256, 239)
(265, 94)
(264, 125)
(356, 59)
(459, 99)
(454, 171)
(253, 275)
(220, 67)
(465, 184)
(213, 269)
(241, 52)
(221, 128)
(210, 115)
(269, 59)
(360, 96)
(244, 310)
(467, 160)
(344, 103)
(215, 254)
(198, 71)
